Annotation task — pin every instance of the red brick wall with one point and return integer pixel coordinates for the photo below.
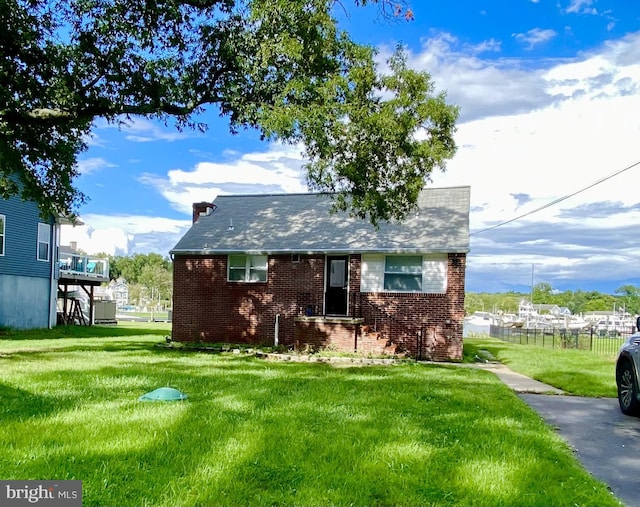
(318, 335)
(437, 317)
(208, 308)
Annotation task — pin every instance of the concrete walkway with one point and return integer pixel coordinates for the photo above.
(516, 381)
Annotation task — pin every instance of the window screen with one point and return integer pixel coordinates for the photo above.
(403, 273)
(247, 268)
(44, 236)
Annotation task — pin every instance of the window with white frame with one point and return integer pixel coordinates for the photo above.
(247, 268)
(426, 273)
(403, 273)
(44, 239)
(3, 221)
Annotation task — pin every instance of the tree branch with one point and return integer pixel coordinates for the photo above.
(201, 4)
(55, 116)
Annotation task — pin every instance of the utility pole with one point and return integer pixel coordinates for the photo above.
(532, 273)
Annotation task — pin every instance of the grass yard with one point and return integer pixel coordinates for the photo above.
(579, 372)
(266, 433)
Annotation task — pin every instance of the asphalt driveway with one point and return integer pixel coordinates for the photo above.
(606, 442)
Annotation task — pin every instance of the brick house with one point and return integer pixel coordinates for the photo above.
(282, 269)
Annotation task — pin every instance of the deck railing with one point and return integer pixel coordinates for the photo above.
(76, 264)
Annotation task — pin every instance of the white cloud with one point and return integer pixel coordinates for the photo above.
(535, 36)
(90, 165)
(124, 234)
(94, 140)
(275, 170)
(581, 7)
(574, 129)
(490, 45)
(140, 130)
(546, 154)
(489, 87)
(482, 87)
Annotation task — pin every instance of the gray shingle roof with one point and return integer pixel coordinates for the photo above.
(302, 223)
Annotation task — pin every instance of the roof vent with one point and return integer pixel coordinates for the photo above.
(231, 227)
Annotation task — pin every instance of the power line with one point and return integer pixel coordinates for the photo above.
(560, 199)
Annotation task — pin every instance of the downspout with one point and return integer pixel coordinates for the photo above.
(275, 333)
(53, 284)
(356, 332)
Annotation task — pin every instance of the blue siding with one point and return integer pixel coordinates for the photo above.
(21, 240)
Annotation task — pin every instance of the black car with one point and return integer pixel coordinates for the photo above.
(628, 373)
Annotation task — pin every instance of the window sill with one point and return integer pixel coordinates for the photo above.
(330, 319)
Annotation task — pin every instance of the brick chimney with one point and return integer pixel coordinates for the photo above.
(202, 208)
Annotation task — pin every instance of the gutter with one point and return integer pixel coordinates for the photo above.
(53, 284)
(341, 251)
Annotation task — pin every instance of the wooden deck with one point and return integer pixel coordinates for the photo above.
(81, 271)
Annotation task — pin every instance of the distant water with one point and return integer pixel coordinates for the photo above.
(473, 329)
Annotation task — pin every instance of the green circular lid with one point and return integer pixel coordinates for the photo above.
(164, 394)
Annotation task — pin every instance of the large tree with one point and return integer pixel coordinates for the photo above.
(282, 67)
(131, 268)
(629, 298)
(157, 282)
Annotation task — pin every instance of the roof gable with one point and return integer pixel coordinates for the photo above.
(303, 223)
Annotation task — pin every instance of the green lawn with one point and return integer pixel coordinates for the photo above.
(578, 372)
(254, 432)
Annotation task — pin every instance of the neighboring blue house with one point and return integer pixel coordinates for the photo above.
(28, 274)
(37, 284)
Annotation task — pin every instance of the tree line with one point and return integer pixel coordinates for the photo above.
(626, 297)
(148, 276)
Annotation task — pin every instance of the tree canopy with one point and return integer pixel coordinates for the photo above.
(282, 67)
(148, 275)
(131, 268)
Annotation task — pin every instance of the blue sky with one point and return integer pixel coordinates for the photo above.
(549, 93)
